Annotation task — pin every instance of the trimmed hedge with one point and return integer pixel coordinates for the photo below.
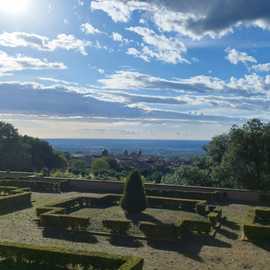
(159, 231)
(255, 232)
(34, 185)
(117, 226)
(56, 256)
(173, 203)
(262, 214)
(201, 208)
(13, 199)
(191, 225)
(211, 196)
(56, 215)
(257, 225)
(60, 221)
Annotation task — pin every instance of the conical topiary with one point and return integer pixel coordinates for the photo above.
(134, 200)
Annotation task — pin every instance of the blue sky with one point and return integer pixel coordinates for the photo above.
(133, 69)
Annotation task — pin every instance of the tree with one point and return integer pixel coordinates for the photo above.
(134, 200)
(100, 166)
(24, 153)
(241, 158)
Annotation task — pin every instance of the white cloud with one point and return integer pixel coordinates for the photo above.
(195, 19)
(235, 57)
(10, 64)
(89, 29)
(261, 67)
(119, 38)
(42, 43)
(159, 47)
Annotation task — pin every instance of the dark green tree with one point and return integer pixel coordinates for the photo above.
(134, 200)
(24, 153)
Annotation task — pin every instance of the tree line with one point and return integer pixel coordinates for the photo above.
(25, 153)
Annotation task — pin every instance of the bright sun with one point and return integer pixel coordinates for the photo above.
(14, 6)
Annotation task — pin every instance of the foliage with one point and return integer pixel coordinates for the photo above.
(99, 166)
(134, 200)
(117, 226)
(24, 153)
(239, 159)
(159, 231)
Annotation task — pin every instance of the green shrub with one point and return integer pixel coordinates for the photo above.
(117, 226)
(190, 225)
(49, 257)
(159, 231)
(60, 221)
(16, 201)
(262, 214)
(134, 200)
(211, 196)
(213, 218)
(256, 232)
(201, 208)
(173, 203)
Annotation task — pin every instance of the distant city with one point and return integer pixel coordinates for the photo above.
(116, 146)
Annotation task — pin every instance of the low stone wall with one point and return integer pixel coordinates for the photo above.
(101, 186)
(108, 186)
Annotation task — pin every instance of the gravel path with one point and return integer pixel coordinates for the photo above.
(226, 251)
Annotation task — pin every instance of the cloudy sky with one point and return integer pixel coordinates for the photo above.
(156, 69)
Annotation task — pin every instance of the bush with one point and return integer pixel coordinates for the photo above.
(214, 218)
(256, 232)
(201, 208)
(190, 225)
(134, 200)
(173, 203)
(117, 226)
(60, 221)
(17, 199)
(159, 231)
(262, 215)
(211, 196)
(50, 257)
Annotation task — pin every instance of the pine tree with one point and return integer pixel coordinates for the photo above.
(134, 200)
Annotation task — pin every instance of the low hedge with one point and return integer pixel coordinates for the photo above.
(191, 225)
(209, 196)
(56, 256)
(201, 208)
(173, 203)
(15, 201)
(117, 226)
(262, 214)
(34, 185)
(61, 221)
(159, 231)
(256, 232)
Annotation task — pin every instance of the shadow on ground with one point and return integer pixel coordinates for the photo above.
(190, 245)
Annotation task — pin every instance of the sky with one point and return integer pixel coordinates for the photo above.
(155, 69)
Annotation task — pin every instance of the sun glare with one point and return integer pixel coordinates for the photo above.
(14, 6)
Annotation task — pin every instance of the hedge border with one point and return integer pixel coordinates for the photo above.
(15, 199)
(253, 229)
(41, 254)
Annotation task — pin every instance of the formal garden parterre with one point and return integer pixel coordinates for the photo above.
(171, 231)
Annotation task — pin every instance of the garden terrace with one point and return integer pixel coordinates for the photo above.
(222, 249)
(102, 214)
(55, 257)
(13, 199)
